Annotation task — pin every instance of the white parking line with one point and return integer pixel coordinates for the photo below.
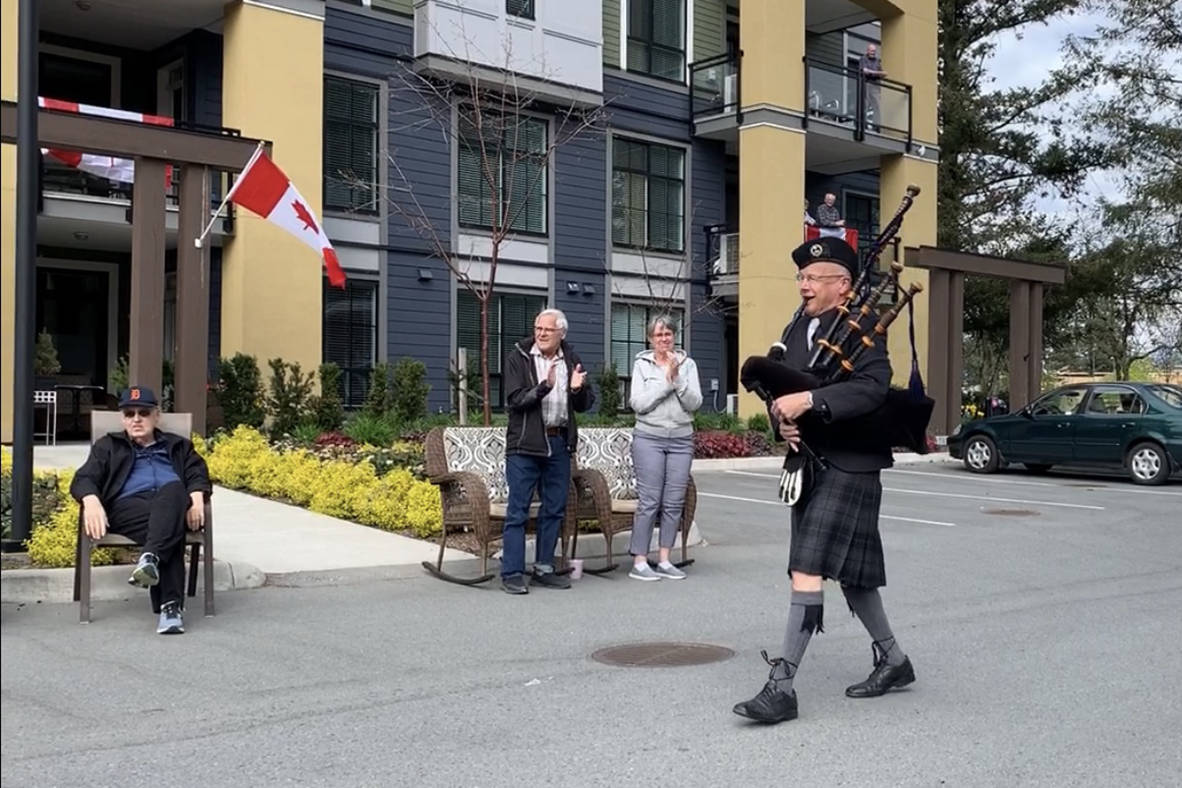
(755, 473)
(781, 503)
(965, 477)
(993, 500)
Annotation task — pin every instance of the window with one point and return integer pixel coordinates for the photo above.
(350, 145)
(1063, 402)
(351, 335)
(656, 38)
(648, 195)
(629, 332)
(510, 319)
(1170, 395)
(521, 8)
(515, 151)
(1115, 401)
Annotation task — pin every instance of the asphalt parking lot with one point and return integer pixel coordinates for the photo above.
(1041, 613)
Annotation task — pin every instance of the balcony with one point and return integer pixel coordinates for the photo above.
(863, 118)
(714, 96)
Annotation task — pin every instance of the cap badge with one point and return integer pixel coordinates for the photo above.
(816, 250)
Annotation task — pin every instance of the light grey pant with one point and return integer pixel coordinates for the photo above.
(662, 468)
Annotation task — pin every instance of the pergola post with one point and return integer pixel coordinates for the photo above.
(192, 298)
(146, 336)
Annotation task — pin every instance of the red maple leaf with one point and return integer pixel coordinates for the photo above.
(305, 216)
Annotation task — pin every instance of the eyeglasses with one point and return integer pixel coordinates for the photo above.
(813, 278)
(544, 330)
(143, 413)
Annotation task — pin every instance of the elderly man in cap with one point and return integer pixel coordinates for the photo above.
(835, 526)
(147, 485)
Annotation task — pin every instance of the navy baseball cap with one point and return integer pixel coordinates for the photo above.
(138, 396)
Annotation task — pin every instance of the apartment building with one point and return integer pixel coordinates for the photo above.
(714, 120)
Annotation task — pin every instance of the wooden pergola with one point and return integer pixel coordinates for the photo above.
(947, 270)
(153, 148)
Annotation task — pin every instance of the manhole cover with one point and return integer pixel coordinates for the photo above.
(661, 655)
(1012, 512)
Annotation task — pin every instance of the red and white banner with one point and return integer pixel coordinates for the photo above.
(262, 188)
(109, 167)
(847, 234)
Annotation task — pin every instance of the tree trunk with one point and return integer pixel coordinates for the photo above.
(484, 355)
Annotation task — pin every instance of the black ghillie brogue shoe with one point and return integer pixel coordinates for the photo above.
(771, 705)
(883, 678)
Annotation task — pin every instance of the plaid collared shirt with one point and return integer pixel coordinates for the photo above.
(554, 403)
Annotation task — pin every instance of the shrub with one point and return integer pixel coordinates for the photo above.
(54, 542)
(328, 412)
(409, 391)
(289, 398)
(609, 391)
(240, 391)
(758, 444)
(759, 422)
(306, 433)
(48, 495)
(718, 443)
(367, 428)
(378, 398)
(45, 360)
(705, 421)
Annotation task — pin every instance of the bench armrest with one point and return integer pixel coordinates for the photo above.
(463, 488)
(592, 493)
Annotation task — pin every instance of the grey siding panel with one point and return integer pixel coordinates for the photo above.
(419, 319)
(205, 75)
(364, 44)
(816, 185)
(826, 47)
(585, 314)
(580, 223)
(633, 105)
(709, 28)
(707, 207)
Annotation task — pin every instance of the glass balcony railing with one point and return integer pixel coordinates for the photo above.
(843, 97)
(714, 86)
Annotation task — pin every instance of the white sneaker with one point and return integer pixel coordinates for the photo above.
(643, 572)
(670, 572)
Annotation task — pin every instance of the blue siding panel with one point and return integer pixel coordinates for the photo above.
(363, 43)
(633, 105)
(707, 206)
(580, 221)
(584, 311)
(205, 77)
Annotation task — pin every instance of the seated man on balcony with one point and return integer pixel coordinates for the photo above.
(829, 218)
(146, 485)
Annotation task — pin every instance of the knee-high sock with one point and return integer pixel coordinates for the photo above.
(805, 616)
(866, 604)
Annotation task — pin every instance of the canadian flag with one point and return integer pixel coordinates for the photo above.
(109, 167)
(847, 234)
(262, 188)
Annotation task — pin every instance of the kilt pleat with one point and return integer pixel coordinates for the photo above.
(835, 532)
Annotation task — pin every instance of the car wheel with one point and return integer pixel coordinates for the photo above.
(980, 454)
(1148, 464)
(1037, 467)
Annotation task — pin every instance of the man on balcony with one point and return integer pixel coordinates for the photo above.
(871, 67)
(829, 218)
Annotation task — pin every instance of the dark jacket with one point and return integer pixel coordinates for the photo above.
(862, 392)
(523, 397)
(111, 458)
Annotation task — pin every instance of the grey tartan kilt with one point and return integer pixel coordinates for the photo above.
(835, 532)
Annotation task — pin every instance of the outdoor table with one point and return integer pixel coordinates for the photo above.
(75, 429)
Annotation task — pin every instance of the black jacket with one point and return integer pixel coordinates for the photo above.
(862, 392)
(523, 397)
(111, 458)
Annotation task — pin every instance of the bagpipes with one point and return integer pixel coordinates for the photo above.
(903, 417)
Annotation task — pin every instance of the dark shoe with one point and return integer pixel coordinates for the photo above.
(883, 678)
(550, 580)
(146, 573)
(770, 705)
(171, 622)
(514, 584)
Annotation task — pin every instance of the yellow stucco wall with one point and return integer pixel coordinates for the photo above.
(272, 88)
(771, 177)
(8, 39)
(909, 48)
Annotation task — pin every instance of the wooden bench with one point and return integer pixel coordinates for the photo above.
(605, 484)
(102, 422)
(468, 466)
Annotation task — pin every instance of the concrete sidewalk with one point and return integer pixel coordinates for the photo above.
(257, 541)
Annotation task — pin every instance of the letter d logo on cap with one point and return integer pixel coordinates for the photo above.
(135, 394)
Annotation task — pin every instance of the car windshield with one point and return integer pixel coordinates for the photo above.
(1171, 395)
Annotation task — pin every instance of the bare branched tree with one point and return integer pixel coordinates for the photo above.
(506, 134)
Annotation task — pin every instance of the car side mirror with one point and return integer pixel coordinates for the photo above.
(1028, 412)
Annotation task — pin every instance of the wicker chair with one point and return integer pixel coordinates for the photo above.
(605, 484)
(468, 466)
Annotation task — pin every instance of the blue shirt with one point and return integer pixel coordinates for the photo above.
(150, 470)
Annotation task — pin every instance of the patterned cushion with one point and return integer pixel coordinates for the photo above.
(609, 451)
(479, 450)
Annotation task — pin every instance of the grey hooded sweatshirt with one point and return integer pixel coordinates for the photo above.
(664, 409)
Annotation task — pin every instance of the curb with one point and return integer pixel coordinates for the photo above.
(775, 462)
(107, 583)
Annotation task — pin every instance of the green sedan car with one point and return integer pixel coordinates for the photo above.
(1134, 426)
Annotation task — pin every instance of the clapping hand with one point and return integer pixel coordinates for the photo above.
(672, 368)
(577, 378)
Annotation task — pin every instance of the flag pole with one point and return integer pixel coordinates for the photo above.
(258, 151)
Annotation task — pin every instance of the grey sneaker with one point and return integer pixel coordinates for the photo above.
(643, 572)
(146, 573)
(669, 572)
(171, 622)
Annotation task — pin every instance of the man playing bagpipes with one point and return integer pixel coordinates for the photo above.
(832, 470)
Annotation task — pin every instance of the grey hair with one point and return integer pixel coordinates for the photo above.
(559, 319)
(661, 320)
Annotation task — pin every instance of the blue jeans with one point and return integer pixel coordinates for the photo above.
(551, 477)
